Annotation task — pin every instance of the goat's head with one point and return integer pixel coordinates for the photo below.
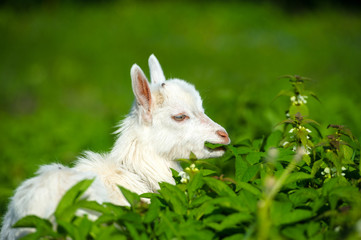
(171, 116)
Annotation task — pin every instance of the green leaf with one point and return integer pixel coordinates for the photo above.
(70, 229)
(282, 213)
(131, 197)
(240, 150)
(206, 208)
(199, 200)
(237, 203)
(153, 211)
(348, 194)
(257, 143)
(303, 195)
(70, 198)
(213, 145)
(273, 139)
(250, 188)
(230, 221)
(307, 159)
(43, 227)
(302, 109)
(297, 176)
(33, 221)
(84, 226)
(219, 187)
(174, 196)
(295, 232)
(195, 183)
(347, 153)
(241, 168)
(92, 205)
(250, 173)
(207, 172)
(316, 166)
(254, 157)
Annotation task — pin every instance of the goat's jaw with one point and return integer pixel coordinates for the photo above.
(216, 152)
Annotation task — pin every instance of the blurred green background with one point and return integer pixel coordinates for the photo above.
(64, 69)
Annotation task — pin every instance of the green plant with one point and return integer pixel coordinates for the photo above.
(294, 184)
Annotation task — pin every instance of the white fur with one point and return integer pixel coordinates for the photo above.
(149, 142)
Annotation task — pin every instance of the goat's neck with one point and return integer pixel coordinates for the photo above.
(131, 153)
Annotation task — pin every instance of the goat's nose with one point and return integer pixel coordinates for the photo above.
(224, 136)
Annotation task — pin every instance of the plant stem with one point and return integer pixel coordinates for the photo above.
(264, 206)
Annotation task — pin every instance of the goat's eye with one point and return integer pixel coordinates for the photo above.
(180, 117)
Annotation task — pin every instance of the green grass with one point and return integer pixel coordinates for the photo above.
(64, 71)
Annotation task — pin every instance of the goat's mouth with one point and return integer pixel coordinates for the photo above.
(214, 147)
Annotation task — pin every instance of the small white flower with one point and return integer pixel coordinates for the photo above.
(343, 169)
(184, 177)
(343, 174)
(302, 99)
(327, 170)
(193, 168)
(293, 99)
(291, 130)
(308, 130)
(285, 143)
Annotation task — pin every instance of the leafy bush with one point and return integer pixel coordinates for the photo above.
(294, 184)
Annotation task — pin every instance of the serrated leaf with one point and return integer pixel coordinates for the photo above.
(302, 109)
(195, 183)
(347, 154)
(254, 157)
(206, 208)
(241, 168)
(250, 172)
(174, 196)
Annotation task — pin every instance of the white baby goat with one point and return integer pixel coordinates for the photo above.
(167, 122)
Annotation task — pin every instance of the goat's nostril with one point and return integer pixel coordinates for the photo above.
(222, 134)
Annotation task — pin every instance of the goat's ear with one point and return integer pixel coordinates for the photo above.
(142, 92)
(156, 72)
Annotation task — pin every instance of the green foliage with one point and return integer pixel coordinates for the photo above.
(294, 184)
(64, 71)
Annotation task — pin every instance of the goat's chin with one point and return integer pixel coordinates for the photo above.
(211, 153)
